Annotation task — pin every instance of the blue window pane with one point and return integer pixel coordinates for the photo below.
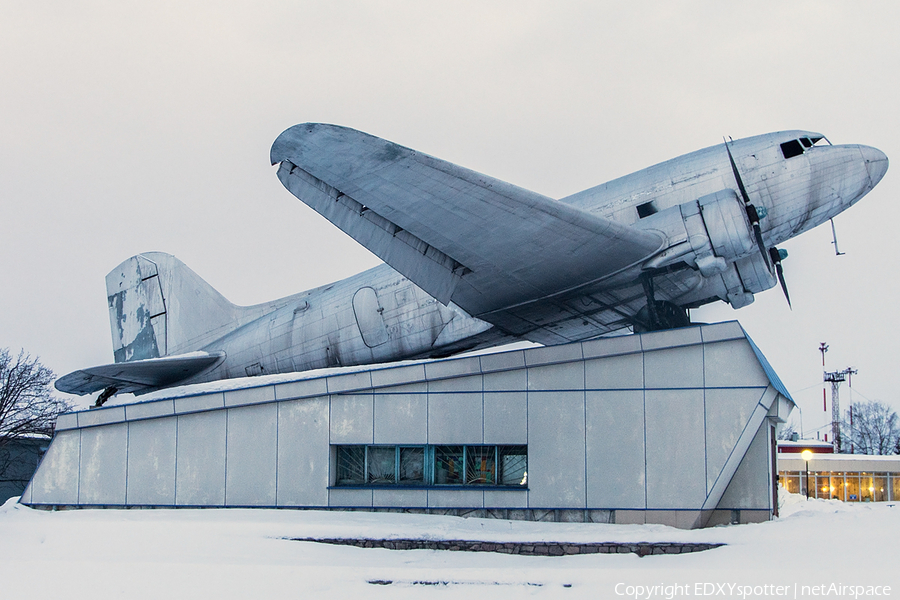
(351, 465)
(481, 467)
(382, 463)
(412, 465)
(448, 465)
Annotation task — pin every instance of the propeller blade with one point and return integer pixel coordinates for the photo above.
(762, 246)
(780, 271)
(737, 175)
(777, 256)
(751, 210)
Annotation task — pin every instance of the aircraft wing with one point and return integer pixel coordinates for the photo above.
(137, 376)
(485, 244)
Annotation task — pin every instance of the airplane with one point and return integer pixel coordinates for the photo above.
(473, 262)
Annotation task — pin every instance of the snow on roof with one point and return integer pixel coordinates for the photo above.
(805, 443)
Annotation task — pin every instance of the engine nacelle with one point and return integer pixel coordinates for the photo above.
(718, 231)
(714, 234)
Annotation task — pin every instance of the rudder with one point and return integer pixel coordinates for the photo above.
(159, 307)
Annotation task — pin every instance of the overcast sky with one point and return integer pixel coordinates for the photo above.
(127, 127)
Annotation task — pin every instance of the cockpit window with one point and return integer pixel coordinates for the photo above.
(797, 147)
(791, 149)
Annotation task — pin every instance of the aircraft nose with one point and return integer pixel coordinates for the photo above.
(876, 163)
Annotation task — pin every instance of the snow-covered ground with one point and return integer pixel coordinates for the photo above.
(230, 553)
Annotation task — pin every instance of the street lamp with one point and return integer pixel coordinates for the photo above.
(806, 455)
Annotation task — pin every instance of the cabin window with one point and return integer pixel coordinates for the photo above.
(806, 142)
(792, 148)
(646, 209)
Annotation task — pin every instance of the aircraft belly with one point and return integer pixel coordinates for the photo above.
(596, 311)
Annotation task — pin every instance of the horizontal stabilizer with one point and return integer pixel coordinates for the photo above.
(139, 376)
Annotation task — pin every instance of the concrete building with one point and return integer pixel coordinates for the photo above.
(673, 427)
(19, 459)
(798, 446)
(847, 477)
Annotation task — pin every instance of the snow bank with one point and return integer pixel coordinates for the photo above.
(229, 553)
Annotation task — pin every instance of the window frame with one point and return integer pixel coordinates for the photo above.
(487, 453)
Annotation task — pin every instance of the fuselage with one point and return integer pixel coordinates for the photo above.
(375, 316)
(710, 251)
(799, 180)
(804, 188)
(795, 178)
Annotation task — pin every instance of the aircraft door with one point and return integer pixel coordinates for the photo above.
(370, 317)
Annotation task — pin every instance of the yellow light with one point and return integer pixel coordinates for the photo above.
(806, 455)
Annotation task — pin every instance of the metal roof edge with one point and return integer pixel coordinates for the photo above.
(773, 377)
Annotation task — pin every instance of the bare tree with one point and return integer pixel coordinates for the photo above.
(871, 428)
(27, 405)
(787, 431)
(27, 409)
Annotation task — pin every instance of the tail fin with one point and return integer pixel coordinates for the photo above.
(159, 307)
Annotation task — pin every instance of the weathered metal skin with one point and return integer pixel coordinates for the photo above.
(379, 192)
(322, 328)
(797, 193)
(476, 262)
(375, 316)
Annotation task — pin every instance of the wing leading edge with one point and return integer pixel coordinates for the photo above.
(485, 244)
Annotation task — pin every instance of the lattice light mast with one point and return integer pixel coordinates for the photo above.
(836, 378)
(823, 348)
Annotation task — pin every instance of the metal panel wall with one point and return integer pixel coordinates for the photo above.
(353, 419)
(556, 476)
(200, 459)
(727, 414)
(102, 470)
(401, 418)
(455, 418)
(749, 488)
(505, 418)
(675, 449)
(251, 455)
(614, 453)
(627, 424)
(151, 462)
(56, 479)
(303, 452)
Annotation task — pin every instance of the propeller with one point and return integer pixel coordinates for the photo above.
(777, 255)
(753, 213)
(774, 256)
